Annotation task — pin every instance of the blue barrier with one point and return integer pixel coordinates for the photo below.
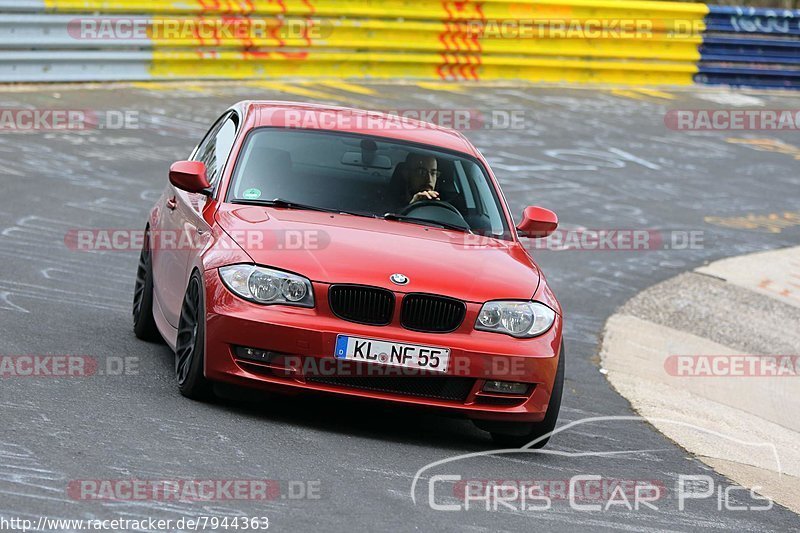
(746, 50)
(750, 47)
(746, 20)
(748, 77)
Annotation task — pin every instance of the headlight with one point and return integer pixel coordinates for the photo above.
(268, 286)
(518, 319)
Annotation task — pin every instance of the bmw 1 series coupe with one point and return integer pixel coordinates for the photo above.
(328, 250)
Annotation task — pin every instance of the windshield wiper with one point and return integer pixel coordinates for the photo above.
(426, 221)
(286, 204)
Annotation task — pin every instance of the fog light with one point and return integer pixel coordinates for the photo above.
(254, 354)
(506, 387)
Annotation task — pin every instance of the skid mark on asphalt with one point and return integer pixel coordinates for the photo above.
(572, 160)
(107, 206)
(45, 238)
(68, 278)
(68, 264)
(63, 296)
(163, 124)
(23, 475)
(8, 305)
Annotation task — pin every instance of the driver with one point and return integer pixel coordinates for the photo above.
(420, 175)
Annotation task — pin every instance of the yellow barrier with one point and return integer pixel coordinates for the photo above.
(379, 35)
(591, 41)
(448, 67)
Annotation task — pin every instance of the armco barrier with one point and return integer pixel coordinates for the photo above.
(751, 47)
(582, 41)
(578, 41)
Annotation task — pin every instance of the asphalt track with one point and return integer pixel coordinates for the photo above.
(599, 158)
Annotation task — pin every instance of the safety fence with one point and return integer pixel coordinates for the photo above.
(571, 41)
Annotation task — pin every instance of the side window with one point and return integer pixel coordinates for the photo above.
(216, 147)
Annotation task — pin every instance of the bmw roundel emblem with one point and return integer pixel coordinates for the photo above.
(399, 279)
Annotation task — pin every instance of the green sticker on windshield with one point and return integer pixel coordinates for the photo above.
(251, 194)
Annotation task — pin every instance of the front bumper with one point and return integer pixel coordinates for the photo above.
(304, 341)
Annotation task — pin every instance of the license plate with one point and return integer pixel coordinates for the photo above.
(389, 353)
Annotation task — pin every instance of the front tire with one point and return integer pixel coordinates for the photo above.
(190, 345)
(144, 325)
(518, 435)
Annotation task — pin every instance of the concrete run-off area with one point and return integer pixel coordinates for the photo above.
(712, 359)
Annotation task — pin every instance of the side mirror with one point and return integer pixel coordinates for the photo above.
(189, 176)
(537, 222)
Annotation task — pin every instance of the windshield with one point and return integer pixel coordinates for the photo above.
(367, 176)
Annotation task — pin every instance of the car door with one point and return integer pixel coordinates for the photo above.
(183, 228)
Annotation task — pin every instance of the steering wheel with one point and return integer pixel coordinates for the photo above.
(436, 211)
(430, 203)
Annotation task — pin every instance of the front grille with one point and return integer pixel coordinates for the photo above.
(365, 305)
(435, 314)
(442, 388)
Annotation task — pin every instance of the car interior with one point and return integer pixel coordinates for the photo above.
(356, 175)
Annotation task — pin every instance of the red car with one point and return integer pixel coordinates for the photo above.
(306, 248)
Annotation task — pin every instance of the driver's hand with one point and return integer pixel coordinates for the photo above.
(424, 195)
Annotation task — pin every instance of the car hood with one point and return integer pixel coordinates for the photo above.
(333, 248)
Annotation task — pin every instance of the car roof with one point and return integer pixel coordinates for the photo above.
(351, 120)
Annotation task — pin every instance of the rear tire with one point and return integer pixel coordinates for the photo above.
(144, 325)
(518, 435)
(190, 345)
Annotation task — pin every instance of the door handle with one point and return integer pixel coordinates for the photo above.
(172, 203)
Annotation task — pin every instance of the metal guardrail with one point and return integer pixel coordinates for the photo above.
(33, 66)
(80, 40)
(751, 47)
(28, 31)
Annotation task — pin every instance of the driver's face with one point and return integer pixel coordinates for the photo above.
(422, 174)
